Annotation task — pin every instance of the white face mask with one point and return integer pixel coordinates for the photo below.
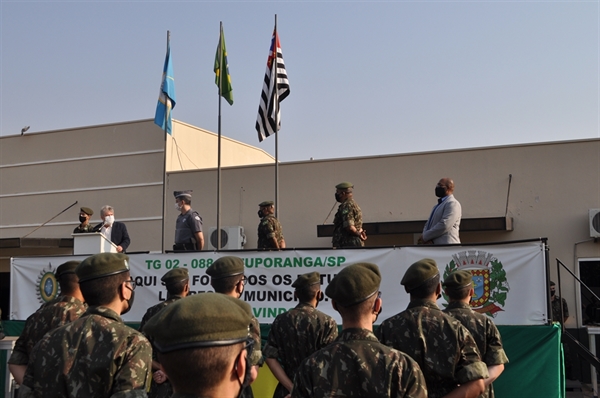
(109, 220)
(177, 206)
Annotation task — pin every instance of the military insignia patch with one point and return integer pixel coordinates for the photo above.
(489, 280)
(47, 285)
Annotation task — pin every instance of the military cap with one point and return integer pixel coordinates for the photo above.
(199, 320)
(419, 272)
(187, 194)
(344, 185)
(226, 266)
(101, 265)
(175, 275)
(354, 284)
(66, 268)
(266, 203)
(458, 280)
(312, 278)
(87, 211)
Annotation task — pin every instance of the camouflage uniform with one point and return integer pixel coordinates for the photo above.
(268, 228)
(94, 356)
(484, 332)
(295, 335)
(51, 315)
(443, 348)
(357, 365)
(556, 309)
(164, 390)
(83, 230)
(348, 214)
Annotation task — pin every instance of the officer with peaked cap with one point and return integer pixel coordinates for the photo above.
(176, 282)
(85, 213)
(442, 346)
(188, 227)
(202, 343)
(96, 355)
(270, 233)
(347, 223)
(298, 333)
(357, 364)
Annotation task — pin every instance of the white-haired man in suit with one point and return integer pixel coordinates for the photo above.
(444, 221)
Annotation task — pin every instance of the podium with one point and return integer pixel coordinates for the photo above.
(92, 243)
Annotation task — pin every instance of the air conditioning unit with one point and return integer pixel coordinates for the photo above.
(594, 223)
(232, 238)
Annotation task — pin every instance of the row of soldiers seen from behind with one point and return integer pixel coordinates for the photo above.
(208, 345)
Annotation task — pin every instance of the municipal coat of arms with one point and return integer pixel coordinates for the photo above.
(489, 280)
(47, 285)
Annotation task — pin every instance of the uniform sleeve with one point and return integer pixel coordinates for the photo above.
(302, 383)
(256, 355)
(331, 333)
(349, 214)
(20, 354)
(125, 241)
(494, 354)
(135, 371)
(411, 381)
(565, 308)
(469, 366)
(271, 349)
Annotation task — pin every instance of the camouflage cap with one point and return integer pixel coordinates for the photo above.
(200, 320)
(419, 272)
(312, 278)
(354, 284)
(344, 185)
(226, 266)
(458, 280)
(266, 203)
(101, 265)
(187, 194)
(66, 268)
(175, 275)
(87, 211)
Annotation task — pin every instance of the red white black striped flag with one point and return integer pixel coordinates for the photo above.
(274, 91)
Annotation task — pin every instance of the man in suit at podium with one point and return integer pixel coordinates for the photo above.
(113, 230)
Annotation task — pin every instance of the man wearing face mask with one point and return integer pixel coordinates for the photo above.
(202, 343)
(227, 277)
(85, 213)
(270, 234)
(347, 223)
(298, 333)
(97, 355)
(443, 223)
(113, 230)
(188, 228)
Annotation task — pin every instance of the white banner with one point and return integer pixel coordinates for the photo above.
(510, 279)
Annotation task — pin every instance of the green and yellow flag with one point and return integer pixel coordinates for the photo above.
(222, 78)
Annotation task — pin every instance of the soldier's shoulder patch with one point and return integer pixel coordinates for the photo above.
(197, 217)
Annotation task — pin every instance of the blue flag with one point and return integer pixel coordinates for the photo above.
(166, 97)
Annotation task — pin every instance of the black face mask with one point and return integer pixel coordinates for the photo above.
(260, 214)
(129, 302)
(440, 192)
(338, 197)
(82, 218)
(552, 293)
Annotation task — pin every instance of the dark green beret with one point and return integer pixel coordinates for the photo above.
(226, 266)
(312, 278)
(419, 272)
(101, 265)
(199, 320)
(175, 275)
(354, 284)
(187, 194)
(344, 185)
(458, 280)
(87, 211)
(66, 268)
(266, 203)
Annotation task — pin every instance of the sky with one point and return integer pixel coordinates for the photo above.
(366, 77)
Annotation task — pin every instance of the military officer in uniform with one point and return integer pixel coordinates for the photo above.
(270, 234)
(85, 213)
(347, 223)
(177, 282)
(458, 286)
(296, 334)
(188, 228)
(443, 347)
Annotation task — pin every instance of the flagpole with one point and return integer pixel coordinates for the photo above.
(164, 198)
(219, 140)
(276, 96)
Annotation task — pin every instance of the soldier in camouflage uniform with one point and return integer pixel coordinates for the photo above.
(445, 350)
(85, 214)
(357, 364)
(270, 234)
(63, 309)
(208, 355)
(556, 311)
(347, 223)
(227, 277)
(298, 333)
(177, 283)
(459, 288)
(97, 355)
